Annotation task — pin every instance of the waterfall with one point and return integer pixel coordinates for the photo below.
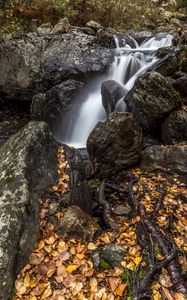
(129, 63)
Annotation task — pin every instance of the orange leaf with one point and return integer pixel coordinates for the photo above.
(120, 289)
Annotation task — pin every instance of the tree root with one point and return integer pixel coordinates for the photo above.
(166, 248)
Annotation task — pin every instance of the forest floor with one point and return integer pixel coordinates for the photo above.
(61, 269)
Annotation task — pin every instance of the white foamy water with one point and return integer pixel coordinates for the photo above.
(128, 64)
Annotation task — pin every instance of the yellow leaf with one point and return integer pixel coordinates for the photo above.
(180, 296)
(80, 256)
(91, 246)
(40, 246)
(130, 266)
(46, 293)
(93, 285)
(71, 268)
(137, 260)
(120, 289)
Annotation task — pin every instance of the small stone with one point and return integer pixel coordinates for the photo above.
(61, 27)
(78, 225)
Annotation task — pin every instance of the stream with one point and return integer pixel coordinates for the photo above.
(129, 63)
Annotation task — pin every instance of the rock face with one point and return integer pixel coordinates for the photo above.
(79, 170)
(170, 60)
(115, 144)
(180, 85)
(58, 100)
(151, 100)
(174, 130)
(35, 63)
(27, 168)
(170, 158)
(142, 35)
(112, 92)
(78, 225)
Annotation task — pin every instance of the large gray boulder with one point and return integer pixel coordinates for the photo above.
(34, 63)
(151, 99)
(174, 129)
(115, 144)
(27, 168)
(170, 158)
(112, 92)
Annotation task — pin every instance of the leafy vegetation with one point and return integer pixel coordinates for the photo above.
(118, 14)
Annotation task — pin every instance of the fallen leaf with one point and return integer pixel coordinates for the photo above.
(113, 283)
(93, 285)
(121, 289)
(71, 268)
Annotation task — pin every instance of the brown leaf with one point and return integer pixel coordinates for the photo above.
(36, 258)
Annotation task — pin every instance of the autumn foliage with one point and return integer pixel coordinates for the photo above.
(119, 14)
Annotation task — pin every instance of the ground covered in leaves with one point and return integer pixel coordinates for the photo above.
(61, 269)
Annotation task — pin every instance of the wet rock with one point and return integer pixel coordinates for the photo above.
(150, 140)
(55, 102)
(34, 63)
(111, 254)
(174, 130)
(170, 158)
(79, 170)
(170, 60)
(81, 195)
(105, 39)
(78, 225)
(183, 65)
(180, 85)
(112, 92)
(151, 99)
(27, 168)
(115, 144)
(61, 27)
(79, 165)
(125, 39)
(142, 35)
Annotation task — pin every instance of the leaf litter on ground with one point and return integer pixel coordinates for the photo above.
(60, 269)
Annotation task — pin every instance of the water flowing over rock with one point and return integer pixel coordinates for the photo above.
(169, 158)
(151, 100)
(174, 130)
(27, 168)
(112, 92)
(142, 35)
(35, 63)
(78, 225)
(115, 144)
(130, 61)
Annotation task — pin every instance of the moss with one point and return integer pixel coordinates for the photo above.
(104, 265)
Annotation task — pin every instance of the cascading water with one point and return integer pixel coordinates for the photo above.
(129, 63)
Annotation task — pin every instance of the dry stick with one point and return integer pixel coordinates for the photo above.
(107, 209)
(173, 266)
